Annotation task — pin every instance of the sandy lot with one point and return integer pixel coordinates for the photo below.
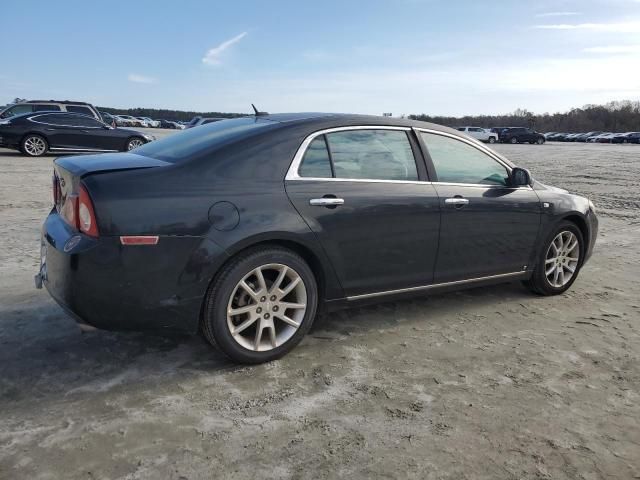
(491, 383)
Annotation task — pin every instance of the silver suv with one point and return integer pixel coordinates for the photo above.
(50, 106)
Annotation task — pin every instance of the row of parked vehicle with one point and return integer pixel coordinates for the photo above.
(32, 106)
(594, 137)
(504, 134)
(146, 122)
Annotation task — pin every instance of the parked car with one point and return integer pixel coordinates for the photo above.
(203, 121)
(108, 119)
(193, 121)
(521, 135)
(31, 106)
(149, 123)
(604, 138)
(243, 229)
(585, 137)
(35, 134)
(629, 137)
(597, 138)
(480, 134)
(131, 120)
(168, 124)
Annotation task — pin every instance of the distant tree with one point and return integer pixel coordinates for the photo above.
(618, 116)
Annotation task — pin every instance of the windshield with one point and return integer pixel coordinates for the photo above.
(188, 143)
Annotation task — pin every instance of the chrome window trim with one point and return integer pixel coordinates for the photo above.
(469, 142)
(478, 146)
(31, 119)
(435, 285)
(292, 173)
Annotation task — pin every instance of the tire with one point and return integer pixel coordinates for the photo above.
(134, 142)
(513, 140)
(540, 282)
(265, 310)
(540, 141)
(492, 139)
(34, 145)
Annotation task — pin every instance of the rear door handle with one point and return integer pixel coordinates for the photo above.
(326, 202)
(456, 201)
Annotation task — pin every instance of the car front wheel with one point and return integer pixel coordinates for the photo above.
(492, 140)
(540, 141)
(260, 305)
(34, 145)
(560, 261)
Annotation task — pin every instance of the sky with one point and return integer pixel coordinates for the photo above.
(451, 57)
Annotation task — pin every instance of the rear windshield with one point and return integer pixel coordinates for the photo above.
(195, 141)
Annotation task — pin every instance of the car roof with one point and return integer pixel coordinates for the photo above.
(329, 120)
(65, 102)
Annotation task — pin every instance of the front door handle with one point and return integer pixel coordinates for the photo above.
(457, 201)
(326, 202)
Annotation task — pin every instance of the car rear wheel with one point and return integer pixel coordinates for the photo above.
(513, 140)
(34, 145)
(260, 305)
(540, 141)
(134, 142)
(492, 139)
(560, 261)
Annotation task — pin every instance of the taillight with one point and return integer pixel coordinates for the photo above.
(86, 216)
(78, 212)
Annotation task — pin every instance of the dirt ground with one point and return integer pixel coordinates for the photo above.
(491, 383)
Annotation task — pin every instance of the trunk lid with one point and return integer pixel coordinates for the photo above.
(68, 171)
(83, 165)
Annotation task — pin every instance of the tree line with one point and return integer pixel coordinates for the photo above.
(166, 114)
(619, 116)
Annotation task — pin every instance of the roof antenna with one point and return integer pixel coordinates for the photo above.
(257, 112)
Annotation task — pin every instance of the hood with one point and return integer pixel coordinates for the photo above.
(541, 186)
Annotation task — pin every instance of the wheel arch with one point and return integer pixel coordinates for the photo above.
(34, 132)
(581, 223)
(308, 254)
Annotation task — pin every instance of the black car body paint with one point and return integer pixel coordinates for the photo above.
(389, 238)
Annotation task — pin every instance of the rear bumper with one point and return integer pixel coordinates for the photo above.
(114, 287)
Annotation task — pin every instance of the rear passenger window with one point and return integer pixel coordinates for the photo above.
(372, 155)
(316, 162)
(46, 108)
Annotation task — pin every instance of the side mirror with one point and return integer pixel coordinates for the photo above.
(520, 177)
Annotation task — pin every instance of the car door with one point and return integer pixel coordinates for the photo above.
(57, 128)
(365, 194)
(487, 227)
(91, 134)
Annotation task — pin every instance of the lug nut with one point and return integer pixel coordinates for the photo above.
(258, 310)
(275, 308)
(273, 298)
(263, 299)
(266, 316)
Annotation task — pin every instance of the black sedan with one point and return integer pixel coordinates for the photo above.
(521, 135)
(35, 134)
(242, 229)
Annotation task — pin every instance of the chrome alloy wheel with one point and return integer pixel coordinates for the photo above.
(562, 259)
(134, 143)
(267, 307)
(35, 146)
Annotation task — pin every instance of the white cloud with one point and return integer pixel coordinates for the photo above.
(212, 57)
(135, 78)
(621, 27)
(557, 14)
(614, 49)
